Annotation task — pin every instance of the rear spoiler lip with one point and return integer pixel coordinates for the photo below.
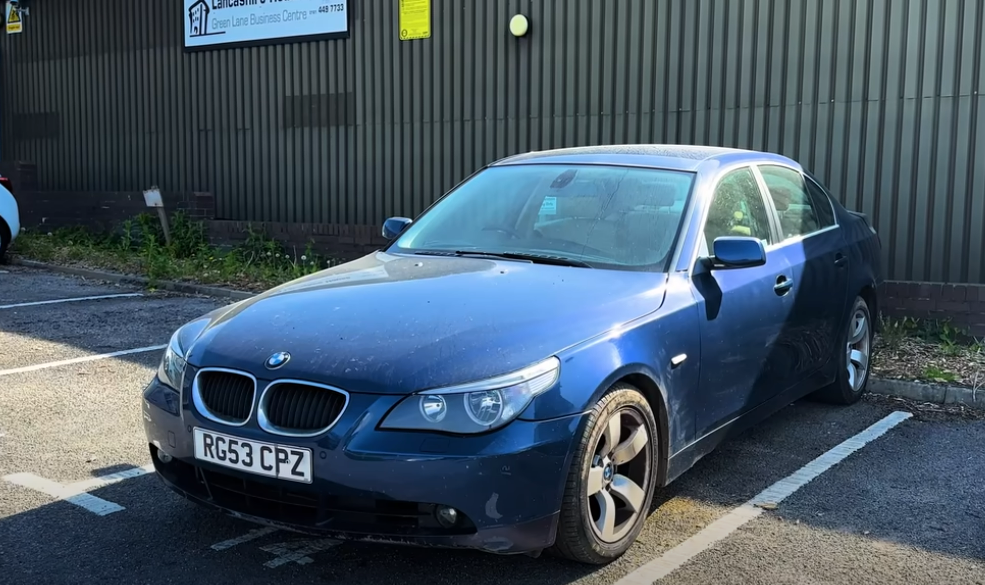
(865, 218)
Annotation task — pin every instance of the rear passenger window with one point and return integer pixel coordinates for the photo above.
(822, 204)
(797, 213)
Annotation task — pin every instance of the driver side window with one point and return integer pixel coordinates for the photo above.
(737, 209)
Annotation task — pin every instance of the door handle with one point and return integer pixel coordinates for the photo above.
(783, 285)
(840, 260)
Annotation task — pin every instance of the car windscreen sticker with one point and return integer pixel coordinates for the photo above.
(549, 206)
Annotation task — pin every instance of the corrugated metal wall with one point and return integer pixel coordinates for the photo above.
(881, 98)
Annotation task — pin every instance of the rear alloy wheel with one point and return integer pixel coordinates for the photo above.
(855, 357)
(859, 348)
(611, 481)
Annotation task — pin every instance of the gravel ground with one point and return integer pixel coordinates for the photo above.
(912, 358)
(906, 508)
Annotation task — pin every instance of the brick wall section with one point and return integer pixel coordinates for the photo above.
(964, 304)
(197, 206)
(102, 210)
(336, 240)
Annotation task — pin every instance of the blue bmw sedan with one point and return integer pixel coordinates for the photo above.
(529, 360)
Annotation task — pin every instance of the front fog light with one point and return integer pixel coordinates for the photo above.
(446, 515)
(434, 408)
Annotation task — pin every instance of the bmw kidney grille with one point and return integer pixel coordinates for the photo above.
(294, 408)
(291, 408)
(224, 396)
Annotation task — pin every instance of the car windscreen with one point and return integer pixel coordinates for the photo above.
(605, 216)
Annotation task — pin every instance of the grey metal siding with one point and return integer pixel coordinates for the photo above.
(882, 99)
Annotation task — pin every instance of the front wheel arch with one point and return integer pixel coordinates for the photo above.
(576, 537)
(639, 377)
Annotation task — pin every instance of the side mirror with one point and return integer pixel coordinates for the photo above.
(394, 226)
(738, 252)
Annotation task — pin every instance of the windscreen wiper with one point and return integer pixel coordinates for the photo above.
(522, 256)
(529, 257)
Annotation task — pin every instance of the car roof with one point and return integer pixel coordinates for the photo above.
(678, 157)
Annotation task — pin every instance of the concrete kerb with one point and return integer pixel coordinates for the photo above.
(919, 391)
(168, 285)
(933, 393)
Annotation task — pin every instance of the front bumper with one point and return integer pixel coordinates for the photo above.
(382, 486)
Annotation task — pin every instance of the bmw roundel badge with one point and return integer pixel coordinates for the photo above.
(277, 360)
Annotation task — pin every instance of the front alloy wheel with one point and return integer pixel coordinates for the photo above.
(619, 475)
(610, 485)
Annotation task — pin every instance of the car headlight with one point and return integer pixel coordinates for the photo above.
(476, 407)
(172, 368)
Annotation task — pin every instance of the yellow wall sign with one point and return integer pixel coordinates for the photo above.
(14, 20)
(415, 19)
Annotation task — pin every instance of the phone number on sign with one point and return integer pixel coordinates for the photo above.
(331, 8)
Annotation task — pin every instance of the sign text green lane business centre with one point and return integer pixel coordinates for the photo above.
(230, 22)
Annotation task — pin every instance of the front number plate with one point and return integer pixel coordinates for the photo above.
(280, 461)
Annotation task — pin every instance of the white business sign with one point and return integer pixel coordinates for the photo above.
(217, 23)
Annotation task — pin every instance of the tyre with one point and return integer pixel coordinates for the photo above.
(4, 242)
(611, 481)
(854, 357)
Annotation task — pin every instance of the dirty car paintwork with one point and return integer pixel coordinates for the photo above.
(391, 324)
(397, 324)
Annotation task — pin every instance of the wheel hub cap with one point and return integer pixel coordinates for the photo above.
(857, 350)
(619, 477)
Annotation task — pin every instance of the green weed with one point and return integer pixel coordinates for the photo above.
(138, 246)
(894, 331)
(950, 338)
(935, 374)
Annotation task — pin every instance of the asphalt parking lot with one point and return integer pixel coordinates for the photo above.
(78, 506)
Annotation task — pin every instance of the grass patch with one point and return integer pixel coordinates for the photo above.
(942, 332)
(138, 247)
(935, 374)
(925, 350)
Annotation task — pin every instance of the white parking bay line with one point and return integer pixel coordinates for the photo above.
(251, 535)
(88, 358)
(718, 530)
(111, 478)
(72, 300)
(296, 551)
(75, 493)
